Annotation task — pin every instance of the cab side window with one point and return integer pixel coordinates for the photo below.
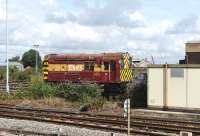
(106, 65)
(89, 66)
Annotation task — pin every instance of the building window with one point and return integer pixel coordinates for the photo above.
(89, 66)
(177, 72)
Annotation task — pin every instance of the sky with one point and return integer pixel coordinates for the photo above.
(144, 28)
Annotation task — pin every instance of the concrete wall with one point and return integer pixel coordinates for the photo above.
(182, 92)
(155, 87)
(193, 88)
(176, 89)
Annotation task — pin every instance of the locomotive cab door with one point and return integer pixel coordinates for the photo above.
(112, 70)
(109, 71)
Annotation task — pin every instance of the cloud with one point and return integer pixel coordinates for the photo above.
(95, 26)
(188, 25)
(102, 13)
(47, 24)
(60, 17)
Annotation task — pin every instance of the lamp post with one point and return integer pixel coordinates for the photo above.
(6, 42)
(36, 58)
(127, 114)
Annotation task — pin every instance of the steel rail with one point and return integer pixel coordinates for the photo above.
(13, 86)
(80, 123)
(136, 122)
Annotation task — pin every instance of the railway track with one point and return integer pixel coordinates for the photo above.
(14, 85)
(22, 132)
(143, 126)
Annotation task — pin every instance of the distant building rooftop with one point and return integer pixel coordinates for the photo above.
(192, 46)
(193, 42)
(141, 63)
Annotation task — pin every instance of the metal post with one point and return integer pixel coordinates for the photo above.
(109, 70)
(36, 58)
(165, 87)
(36, 68)
(129, 119)
(127, 113)
(6, 40)
(59, 131)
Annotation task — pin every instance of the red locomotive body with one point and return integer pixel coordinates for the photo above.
(99, 68)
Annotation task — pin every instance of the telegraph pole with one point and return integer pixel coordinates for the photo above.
(6, 42)
(36, 58)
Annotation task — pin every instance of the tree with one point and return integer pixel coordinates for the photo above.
(29, 58)
(16, 59)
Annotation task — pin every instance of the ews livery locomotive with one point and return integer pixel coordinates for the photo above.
(103, 68)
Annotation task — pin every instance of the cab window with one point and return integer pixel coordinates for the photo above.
(89, 66)
(106, 65)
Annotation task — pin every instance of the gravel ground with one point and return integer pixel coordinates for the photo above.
(47, 128)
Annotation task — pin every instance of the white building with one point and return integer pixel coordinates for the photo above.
(140, 71)
(174, 86)
(18, 65)
(141, 63)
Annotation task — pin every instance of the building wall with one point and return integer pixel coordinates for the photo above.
(193, 57)
(155, 87)
(193, 88)
(182, 91)
(176, 89)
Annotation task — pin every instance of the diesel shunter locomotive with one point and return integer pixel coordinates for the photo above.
(110, 69)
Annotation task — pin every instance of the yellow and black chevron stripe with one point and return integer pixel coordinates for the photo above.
(45, 69)
(126, 75)
(126, 60)
(126, 70)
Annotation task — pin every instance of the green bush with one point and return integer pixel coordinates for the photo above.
(17, 75)
(82, 92)
(39, 89)
(67, 91)
(2, 74)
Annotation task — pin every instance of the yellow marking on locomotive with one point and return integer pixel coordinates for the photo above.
(45, 68)
(75, 67)
(126, 75)
(63, 67)
(97, 68)
(126, 61)
(126, 71)
(45, 72)
(102, 68)
(54, 67)
(79, 67)
(45, 63)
